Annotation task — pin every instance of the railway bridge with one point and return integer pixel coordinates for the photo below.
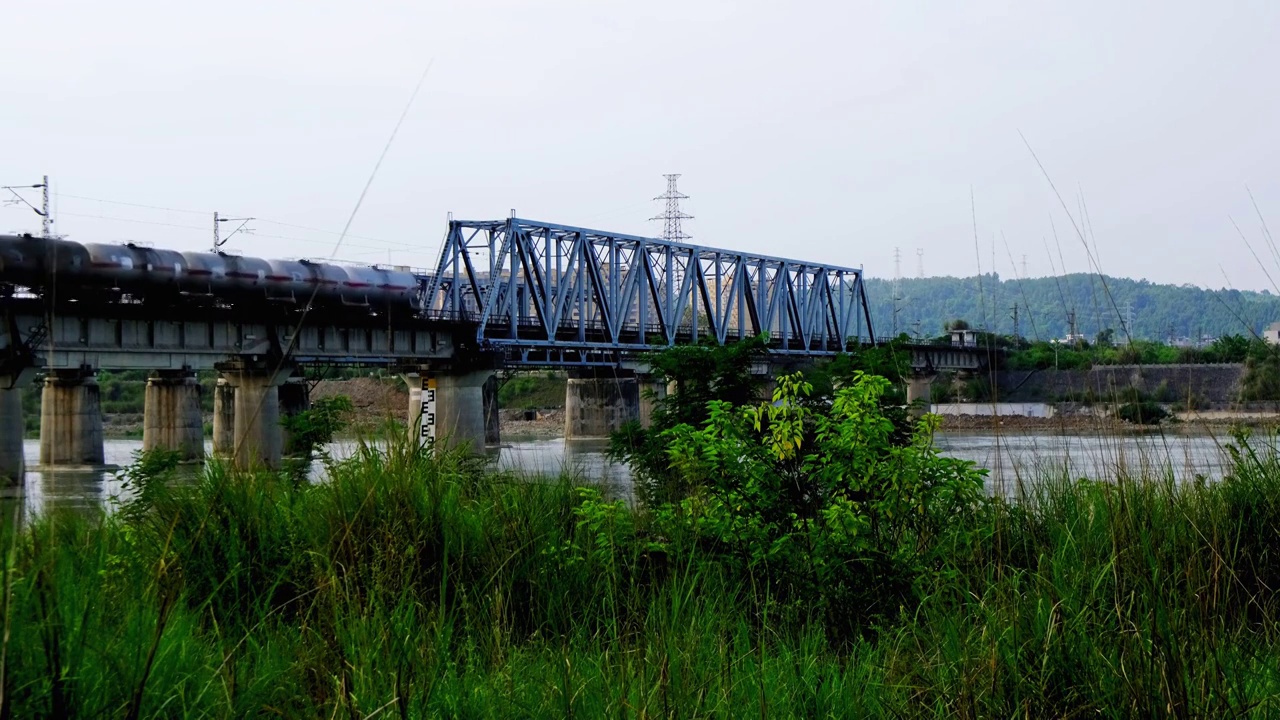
(505, 294)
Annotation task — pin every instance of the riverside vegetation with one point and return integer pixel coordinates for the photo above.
(809, 555)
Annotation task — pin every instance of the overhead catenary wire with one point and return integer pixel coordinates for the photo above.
(281, 223)
(255, 233)
(336, 247)
(1021, 290)
(1088, 252)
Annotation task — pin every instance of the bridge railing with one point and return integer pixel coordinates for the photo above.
(531, 284)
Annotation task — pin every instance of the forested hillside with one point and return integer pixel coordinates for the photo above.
(1099, 302)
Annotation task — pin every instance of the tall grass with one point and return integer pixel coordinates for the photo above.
(408, 586)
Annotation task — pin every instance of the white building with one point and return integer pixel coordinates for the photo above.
(1272, 333)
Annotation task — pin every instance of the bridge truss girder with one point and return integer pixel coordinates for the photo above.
(532, 285)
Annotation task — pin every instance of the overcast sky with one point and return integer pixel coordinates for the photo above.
(831, 131)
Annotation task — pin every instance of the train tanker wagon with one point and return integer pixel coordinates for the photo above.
(151, 274)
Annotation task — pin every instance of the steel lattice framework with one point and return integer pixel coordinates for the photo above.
(534, 286)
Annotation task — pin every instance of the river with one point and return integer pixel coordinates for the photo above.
(1010, 458)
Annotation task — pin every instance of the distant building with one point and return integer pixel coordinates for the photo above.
(964, 338)
(1272, 333)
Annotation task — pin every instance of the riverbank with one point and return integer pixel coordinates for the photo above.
(1195, 422)
(433, 588)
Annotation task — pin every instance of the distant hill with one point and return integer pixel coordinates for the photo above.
(1159, 311)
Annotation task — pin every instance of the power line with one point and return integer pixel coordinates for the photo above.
(204, 229)
(132, 204)
(206, 214)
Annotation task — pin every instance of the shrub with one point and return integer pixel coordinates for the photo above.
(822, 505)
(1143, 412)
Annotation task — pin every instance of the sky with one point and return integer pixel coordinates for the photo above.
(823, 131)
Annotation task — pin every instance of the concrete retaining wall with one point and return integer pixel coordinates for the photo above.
(1201, 385)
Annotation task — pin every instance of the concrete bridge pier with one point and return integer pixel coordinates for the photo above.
(920, 393)
(596, 403)
(13, 466)
(295, 398)
(71, 419)
(259, 439)
(651, 392)
(455, 409)
(171, 414)
(224, 418)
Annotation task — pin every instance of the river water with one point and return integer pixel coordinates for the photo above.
(1011, 458)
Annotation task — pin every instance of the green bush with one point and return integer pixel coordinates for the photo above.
(821, 503)
(1144, 412)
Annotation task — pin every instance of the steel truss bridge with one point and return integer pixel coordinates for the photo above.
(553, 294)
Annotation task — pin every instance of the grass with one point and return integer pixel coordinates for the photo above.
(406, 586)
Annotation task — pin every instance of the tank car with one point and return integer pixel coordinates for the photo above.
(29, 261)
(157, 274)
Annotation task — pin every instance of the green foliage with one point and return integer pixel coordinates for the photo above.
(1043, 355)
(315, 427)
(1229, 349)
(700, 374)
(1261, 380)
(1045, 303)
(708, 373)
(415, 586)
(530, 391)
(1143, 412)
(832, 514)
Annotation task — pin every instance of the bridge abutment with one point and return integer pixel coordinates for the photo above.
(599, 403)
(454, 409)
(259, 439)
(224, 418)
(13, 465)
(71, 419)
(171, 414)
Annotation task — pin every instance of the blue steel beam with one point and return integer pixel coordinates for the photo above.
(529, 285)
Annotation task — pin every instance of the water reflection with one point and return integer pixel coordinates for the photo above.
(1012, 458)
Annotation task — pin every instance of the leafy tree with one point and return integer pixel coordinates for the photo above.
(821, 502)
(315, 427)
(1045, 303)
(699, 374)
(708, 373)
(1233, 348)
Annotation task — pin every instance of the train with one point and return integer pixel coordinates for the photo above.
(156, 275)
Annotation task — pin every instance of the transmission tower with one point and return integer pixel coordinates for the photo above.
(671, 215)
(897, 287)
(1127, 320)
